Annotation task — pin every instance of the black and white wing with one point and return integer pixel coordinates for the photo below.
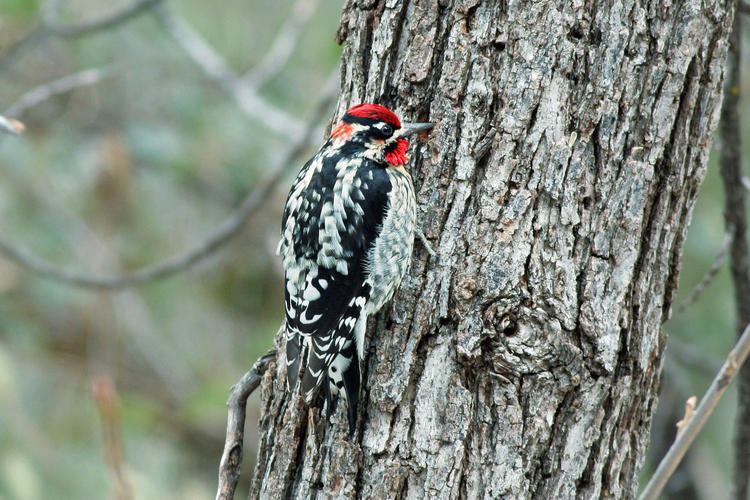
(332, 218)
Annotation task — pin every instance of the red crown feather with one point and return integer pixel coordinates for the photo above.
(375, 112)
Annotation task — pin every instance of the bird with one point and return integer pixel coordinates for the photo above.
(347, 235)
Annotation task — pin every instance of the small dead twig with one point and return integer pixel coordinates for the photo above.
(689, 412)
(13, 51)
(11, 126)
(710, 275)
(107, 403)
(65, 84)
(693, 426)
(231, 458)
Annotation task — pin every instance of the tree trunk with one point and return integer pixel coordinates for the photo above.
(523, 361)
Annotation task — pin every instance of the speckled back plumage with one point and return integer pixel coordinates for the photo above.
(347, 238)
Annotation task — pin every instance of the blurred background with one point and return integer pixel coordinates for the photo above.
(142, 135)
(139, 160)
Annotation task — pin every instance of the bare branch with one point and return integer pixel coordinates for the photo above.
(713, 270)
(231, 458)
(55, 87)
(104, 393)
(38, 34)
(283, 45)
(684, 439)
(11, 126)
(230, 227)
(51, 14)
(689, 412)
(425, 242)
(213, 65)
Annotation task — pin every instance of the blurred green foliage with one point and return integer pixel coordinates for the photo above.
(115, 176)
(140, 166)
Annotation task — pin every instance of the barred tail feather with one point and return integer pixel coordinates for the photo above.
(293, 356)
(333, 362)
(319, 358)
(344, 383)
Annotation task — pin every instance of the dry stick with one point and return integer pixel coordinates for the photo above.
(11, 126)
(735, 220)
(672, 459)
(230, 227)
(51, 22)
(107, 402)
(65, 84)
(216, 68)
(29, 40)
(44, 92)
(231, 458)
(696, 293)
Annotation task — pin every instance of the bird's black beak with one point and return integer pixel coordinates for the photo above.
(415, 128)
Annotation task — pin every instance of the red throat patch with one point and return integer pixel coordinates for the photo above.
(397, 156)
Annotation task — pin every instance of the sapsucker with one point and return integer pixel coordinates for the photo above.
(347, 236)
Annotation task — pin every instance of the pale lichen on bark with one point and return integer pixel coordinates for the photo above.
(523, 360)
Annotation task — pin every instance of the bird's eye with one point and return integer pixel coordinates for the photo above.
(385, 130)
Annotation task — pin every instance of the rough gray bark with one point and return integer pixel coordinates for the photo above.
(523, 361)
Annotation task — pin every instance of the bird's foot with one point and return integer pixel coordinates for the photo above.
(425, 243)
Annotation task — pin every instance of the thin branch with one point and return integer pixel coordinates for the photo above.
(11, 126)
(65, 84)
(231, 458)
(230, 227)
(691, 428)
(213, 65)
(689, 412)
(51, 18)
(283, 45)
(104, 393)
(708, 278)
(33, 37)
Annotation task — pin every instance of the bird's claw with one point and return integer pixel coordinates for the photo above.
(425, 243)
